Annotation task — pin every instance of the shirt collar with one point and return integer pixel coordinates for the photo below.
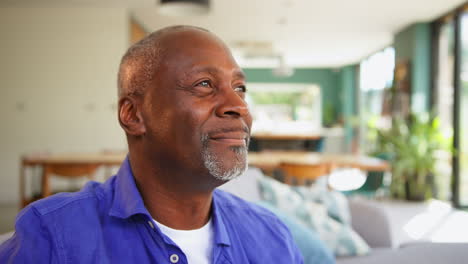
(128, 202)
(220, 230)
(127, 199)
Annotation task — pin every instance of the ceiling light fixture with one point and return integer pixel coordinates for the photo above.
(184, 7)
(282, 70)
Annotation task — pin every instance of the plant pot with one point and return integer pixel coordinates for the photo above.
(415, 192)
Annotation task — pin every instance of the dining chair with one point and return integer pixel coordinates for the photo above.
(67, 170)
(302, 174)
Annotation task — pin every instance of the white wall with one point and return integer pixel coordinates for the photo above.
(58, 71)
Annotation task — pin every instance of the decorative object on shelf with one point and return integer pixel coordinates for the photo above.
(401, 97)
(184, 7)
(413, 144)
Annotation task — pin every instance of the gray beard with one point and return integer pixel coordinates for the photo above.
(215, 165)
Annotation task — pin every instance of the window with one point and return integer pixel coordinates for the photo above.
(443, 100)
(462, 109)
(376, 78)
(285, 108)
(450, 98)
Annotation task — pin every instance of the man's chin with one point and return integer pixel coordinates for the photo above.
(234, 173)
(226, 166)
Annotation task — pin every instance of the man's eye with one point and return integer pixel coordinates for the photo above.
(204, 84)
(241, 88)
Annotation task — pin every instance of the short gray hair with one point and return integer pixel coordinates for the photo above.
(140, 62)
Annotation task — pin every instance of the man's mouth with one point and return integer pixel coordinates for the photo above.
(231, 138)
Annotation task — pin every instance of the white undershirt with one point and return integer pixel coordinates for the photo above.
(196, 244)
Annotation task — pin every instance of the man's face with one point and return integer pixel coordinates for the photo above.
(196, 115)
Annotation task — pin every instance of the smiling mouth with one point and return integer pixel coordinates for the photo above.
(231, 138)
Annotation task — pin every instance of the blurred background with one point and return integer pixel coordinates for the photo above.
(364, 83)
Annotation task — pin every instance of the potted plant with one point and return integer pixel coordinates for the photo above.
(413, 144)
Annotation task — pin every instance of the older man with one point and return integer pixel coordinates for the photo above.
(181, 104)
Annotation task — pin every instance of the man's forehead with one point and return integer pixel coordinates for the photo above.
(188, 37)
(197, 50)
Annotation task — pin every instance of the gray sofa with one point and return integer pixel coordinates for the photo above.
(4, 237)
(372, 223)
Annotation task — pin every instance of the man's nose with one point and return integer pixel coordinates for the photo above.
(232, 105)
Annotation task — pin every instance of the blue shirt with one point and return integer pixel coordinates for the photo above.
(108, 223)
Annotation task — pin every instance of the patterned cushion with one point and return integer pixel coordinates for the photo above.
(312, 248)
(335, 202)
(324, 211)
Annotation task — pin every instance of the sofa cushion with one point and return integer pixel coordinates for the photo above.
(377, 233)
(312, 248)
(313, 213)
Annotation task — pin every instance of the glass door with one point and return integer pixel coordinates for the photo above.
(462, 112)
(450, 102)
(443, 99)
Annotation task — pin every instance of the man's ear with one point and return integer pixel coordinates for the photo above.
(130, 116)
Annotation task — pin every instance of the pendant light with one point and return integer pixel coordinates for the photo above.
(184, 7)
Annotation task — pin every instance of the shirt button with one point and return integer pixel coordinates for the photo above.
(174, 258)
(151, 224)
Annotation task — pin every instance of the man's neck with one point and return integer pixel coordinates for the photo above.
(184, 212)
(170, 197)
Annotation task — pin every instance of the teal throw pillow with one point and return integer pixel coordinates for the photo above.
(312, 248)
(332, 227)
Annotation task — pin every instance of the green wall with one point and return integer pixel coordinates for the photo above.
(328, 80)
(413, 44)
(339, 86)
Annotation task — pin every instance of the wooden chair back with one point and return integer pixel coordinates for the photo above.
(68, 170)
(302, 173)
(72, 170)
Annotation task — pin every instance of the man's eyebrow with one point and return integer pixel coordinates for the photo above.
(195, 70)
(238, 74)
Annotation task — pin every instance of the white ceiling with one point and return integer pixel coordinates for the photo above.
(309, 33)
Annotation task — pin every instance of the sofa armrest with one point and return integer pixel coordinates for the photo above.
(6, 236)
(245, 186)
(371, 222)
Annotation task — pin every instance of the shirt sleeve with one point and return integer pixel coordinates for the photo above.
(296, 252)
(32, 241)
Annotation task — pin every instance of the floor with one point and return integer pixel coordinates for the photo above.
(429, 221)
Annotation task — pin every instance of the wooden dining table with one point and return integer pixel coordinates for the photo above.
(265, 160)
(47, 163)
(270, 160)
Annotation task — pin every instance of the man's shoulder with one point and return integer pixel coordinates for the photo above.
(267, 235)
(87, 198)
